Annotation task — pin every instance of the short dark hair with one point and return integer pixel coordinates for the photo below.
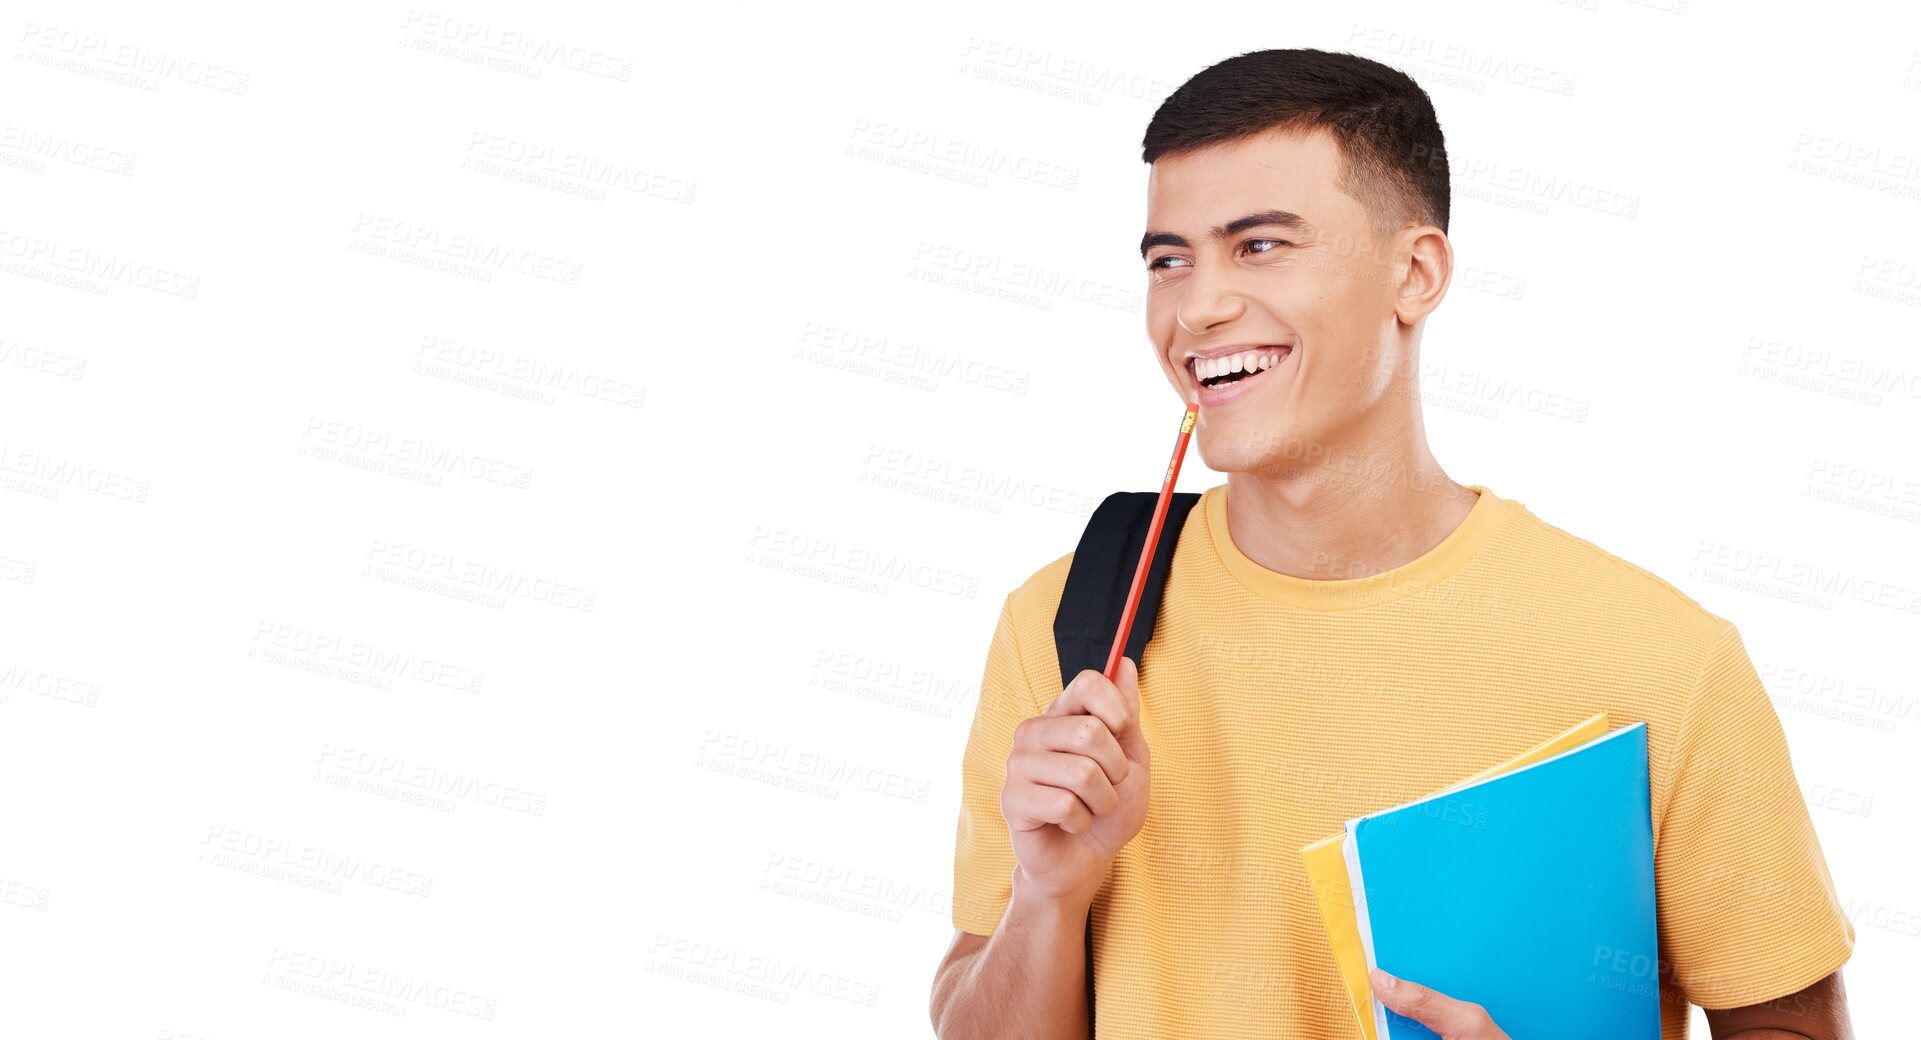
(1383, 122)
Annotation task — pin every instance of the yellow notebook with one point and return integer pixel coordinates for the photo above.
(1327, 878)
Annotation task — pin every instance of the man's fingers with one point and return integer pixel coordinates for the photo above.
(1453, 1019)
(1091, 694)
(1073, 696)
(1116, 703)
(1128, 685)
(1077, 773)
(1028, 806)
(1077, 735)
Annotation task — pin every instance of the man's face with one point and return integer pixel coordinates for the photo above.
(1318, 288)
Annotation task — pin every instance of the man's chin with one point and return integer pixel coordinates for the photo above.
(1251, 443)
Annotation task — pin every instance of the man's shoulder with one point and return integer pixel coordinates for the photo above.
(1576, 568)
(1038, 597)
(1030, 608)
(1035, 600)
(1557, 564)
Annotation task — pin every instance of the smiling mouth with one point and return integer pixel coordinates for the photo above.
(1249, 365)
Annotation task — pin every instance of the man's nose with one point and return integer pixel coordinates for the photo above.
(1207, 300)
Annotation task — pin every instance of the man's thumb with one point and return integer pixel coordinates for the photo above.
(1127, 679)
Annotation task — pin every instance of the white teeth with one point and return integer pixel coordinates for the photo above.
(1247, 360)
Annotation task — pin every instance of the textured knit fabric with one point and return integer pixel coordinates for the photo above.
(1276, 707)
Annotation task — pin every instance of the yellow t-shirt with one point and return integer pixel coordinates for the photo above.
(1276, 707)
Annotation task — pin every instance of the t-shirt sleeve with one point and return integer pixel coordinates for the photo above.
(983, 851)
(1746, 908)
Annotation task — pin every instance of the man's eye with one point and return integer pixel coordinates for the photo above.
(1160, 264)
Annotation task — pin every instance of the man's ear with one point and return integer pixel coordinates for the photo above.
(1423, 266)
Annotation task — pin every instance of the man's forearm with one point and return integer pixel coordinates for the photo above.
(1028, 983)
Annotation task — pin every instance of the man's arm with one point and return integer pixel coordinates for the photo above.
(1027, 980)
(1074, 783)
(1743, 895)
(1819, 1012)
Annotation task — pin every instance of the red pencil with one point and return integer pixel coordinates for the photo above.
(1147, 548)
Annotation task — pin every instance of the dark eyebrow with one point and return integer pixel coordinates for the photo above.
(1279, 217)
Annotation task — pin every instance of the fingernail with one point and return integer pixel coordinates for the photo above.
(1387, 981)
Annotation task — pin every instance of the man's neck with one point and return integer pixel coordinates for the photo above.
(1327, 522)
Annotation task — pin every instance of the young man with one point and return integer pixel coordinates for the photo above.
(1344, 628)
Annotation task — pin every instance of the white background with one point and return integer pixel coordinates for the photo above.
(534, 531)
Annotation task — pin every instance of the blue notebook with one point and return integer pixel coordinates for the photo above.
(1530, 893)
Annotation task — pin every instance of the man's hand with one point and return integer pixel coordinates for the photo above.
(1077, 784)
(1453, 1019)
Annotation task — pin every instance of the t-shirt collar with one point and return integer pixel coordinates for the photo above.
(1417, 575)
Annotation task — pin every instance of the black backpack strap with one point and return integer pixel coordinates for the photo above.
(1102, 571)
(1096, 594)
